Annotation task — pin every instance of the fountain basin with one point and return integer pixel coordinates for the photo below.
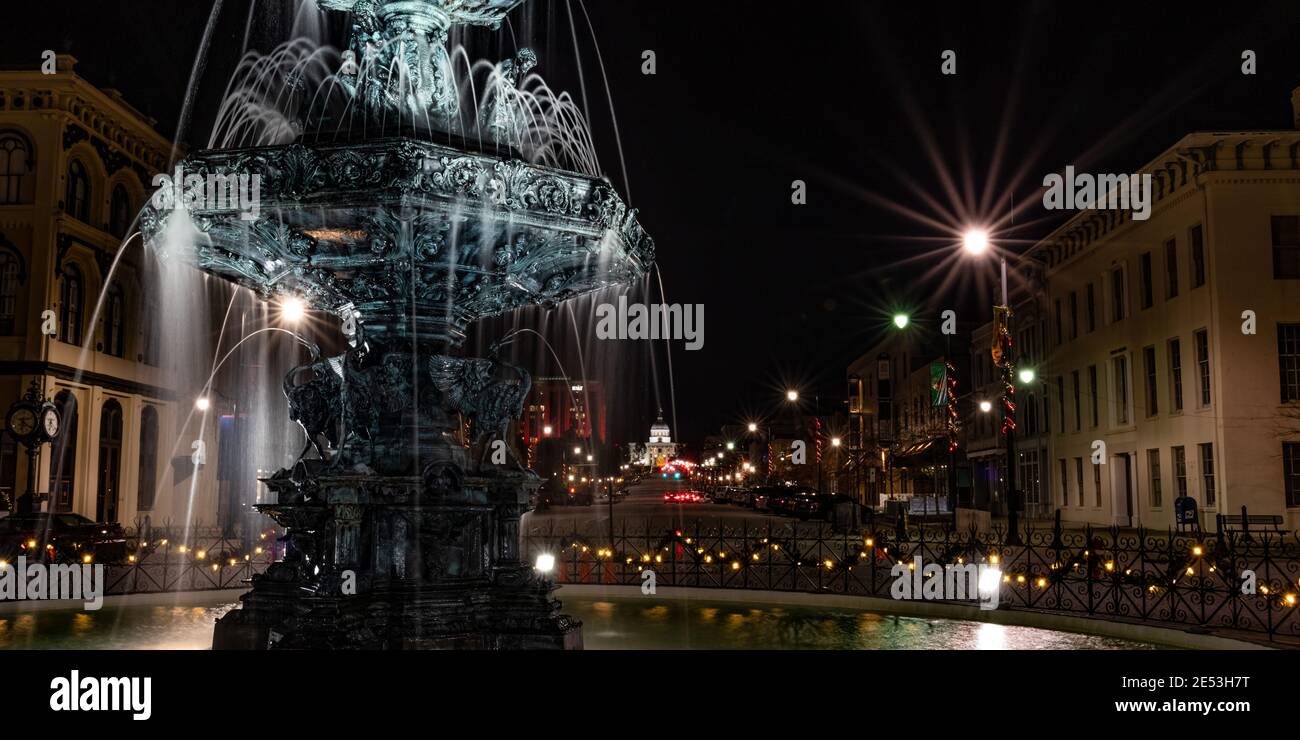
(181, 621)
(419, 237)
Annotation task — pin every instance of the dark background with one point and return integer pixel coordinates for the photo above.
(846, 95)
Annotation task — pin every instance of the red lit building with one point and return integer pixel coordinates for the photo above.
(564, 408)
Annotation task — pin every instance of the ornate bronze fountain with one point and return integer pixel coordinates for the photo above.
(400, 535)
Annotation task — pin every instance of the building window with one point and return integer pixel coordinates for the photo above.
(1197, 238)
(63, 453)
(119, 219)
(114, 323)
(1092, 308)
(9, 272)
(1060, 400)
(1153, 468)
(1149, 367)
(1207, 472)
(1029, 476)
(1202, 338)
(1096, 486)
(1074, 315)
(1145, 268)
(1031, 415)
(110, 461)
(1176, 373)
(1171, 269)
(1286, 247)
(1078, 409)
(77, 197)
(1120, 366)
(1180, 471)
(1065, 483)
(70, 306)
(1288, 357)
(1078, 477)
(1291, 472)
(1060, 339)
(1118, 304)
(148, 459)
(15, 164)
(1095, 396)
(151, 329)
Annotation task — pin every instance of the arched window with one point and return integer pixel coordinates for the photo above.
(63, 460)
(114, 322)
(76, 201)
(148, 458)
(9, 272)
(110, 461)
(119, 213)
(15, 165)
(70, 305)
(150, 325)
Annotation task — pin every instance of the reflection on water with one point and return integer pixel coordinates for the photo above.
(632, 623)
(154, 627)
(608, 624)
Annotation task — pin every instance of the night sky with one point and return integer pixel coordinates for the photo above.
(846, 96)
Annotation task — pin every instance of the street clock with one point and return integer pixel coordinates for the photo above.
(33, 421)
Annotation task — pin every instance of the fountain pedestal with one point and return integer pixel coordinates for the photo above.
(387, 562)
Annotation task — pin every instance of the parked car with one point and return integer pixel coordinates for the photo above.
(61, 538)
(791, 500)
(810, 504)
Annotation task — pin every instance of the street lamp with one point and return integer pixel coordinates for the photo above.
(731, 446)
(202, 404)
(975, 241)
(546, 430)
(792, 395)
(900, 320)
(1026, 375)
(985, 406)
(835, 441)
(753, 427)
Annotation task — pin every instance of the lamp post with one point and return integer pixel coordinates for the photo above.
(767, 448)
(976, 242)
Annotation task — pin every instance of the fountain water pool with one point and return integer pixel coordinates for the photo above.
(184, 622)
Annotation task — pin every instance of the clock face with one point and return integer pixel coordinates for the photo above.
(50, 420)
(22, 422)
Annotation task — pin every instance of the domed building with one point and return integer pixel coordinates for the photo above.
(658, 450)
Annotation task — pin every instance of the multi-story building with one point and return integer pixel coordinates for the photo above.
(76, 163)
(1176, 339)
(897, 443)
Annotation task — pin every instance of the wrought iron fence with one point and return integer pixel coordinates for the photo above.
(201, 558)
(1160, 577)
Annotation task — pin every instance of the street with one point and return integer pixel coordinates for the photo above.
(644, 503)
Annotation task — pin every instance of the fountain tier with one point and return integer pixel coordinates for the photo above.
(399, 535)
